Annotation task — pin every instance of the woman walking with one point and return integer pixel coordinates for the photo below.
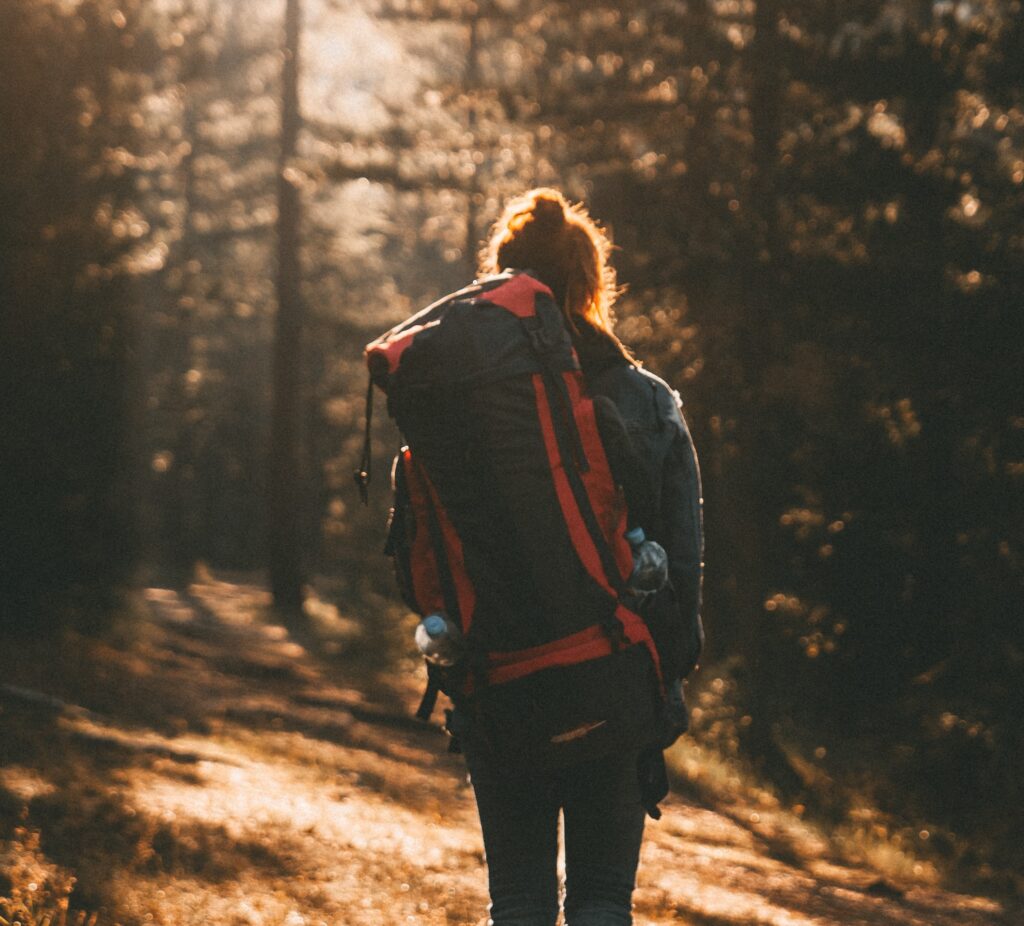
(529, 424)
(603, 801)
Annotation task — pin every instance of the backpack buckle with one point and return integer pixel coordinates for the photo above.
(616, 633)
(544, 339)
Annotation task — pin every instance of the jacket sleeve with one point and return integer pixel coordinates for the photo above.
(682, 527)
(652, 413)
(624, 462)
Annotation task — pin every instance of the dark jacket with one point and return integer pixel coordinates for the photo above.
(652, 413)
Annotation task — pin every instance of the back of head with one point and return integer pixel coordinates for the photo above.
(564, 248)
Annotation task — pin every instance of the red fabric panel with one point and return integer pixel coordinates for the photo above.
(392, 348)
(581, 653)
(591, 643)
(464, 590)
(517, 295)
(426, 584)
(546, 649)
(605, 497)
(578, 532)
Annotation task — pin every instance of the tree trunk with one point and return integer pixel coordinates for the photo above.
(757, 465)
(285, 477)
(471, 79)
(182, 515)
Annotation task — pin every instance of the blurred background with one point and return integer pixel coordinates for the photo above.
(208, 207)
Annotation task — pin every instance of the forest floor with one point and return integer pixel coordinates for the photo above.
(209, 770)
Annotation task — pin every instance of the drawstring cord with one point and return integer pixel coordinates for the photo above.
(362, 475)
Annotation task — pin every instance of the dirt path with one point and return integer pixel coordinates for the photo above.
(215, 775)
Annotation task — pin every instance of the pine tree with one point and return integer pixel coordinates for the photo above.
(286, 470)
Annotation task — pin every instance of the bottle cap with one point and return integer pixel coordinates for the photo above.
(434, 624)
(636, 536)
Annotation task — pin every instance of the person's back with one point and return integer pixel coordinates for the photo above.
(604, 804)
(629, 425)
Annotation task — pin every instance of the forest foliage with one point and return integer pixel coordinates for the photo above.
(817, 211)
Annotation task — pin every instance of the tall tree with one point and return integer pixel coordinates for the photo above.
(72, 246)
(286, 471)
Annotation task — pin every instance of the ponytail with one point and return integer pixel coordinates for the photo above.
(564, 248)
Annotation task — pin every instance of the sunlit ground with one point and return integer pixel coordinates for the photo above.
(212, 771)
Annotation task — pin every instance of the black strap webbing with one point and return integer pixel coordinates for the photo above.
(430, 693)
(363, 473)
(556, 383)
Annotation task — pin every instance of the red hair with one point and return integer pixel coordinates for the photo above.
(564, 248)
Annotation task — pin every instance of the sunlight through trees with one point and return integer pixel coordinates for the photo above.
(208, 207)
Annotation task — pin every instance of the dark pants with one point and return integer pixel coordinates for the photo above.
(604, 824)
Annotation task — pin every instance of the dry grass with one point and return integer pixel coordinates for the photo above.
(865, 837)
(38, 892)
(841, 819)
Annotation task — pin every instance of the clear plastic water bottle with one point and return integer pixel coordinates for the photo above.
(439, 640)
(650, 563)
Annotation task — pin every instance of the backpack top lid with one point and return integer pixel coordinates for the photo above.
(475, 335)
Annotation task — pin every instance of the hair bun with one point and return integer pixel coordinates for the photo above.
(548, 210)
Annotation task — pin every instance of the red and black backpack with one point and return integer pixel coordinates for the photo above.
(507, 519)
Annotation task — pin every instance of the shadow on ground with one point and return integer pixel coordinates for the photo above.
(211, 770)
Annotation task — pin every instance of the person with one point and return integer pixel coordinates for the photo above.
(602, 801)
